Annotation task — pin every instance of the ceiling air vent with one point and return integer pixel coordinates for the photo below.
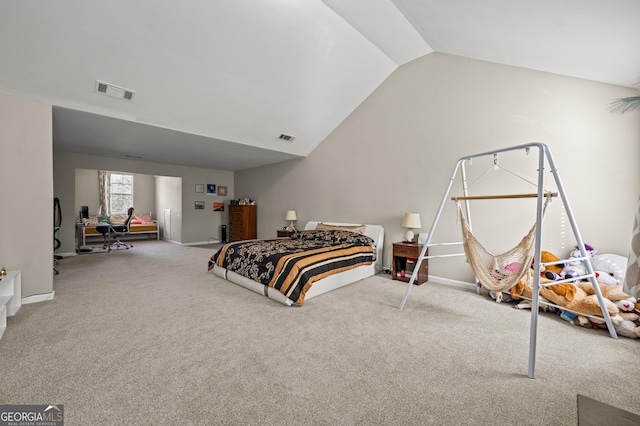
(114, 91)
(287, 138)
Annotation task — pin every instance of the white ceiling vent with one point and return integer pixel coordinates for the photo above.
(287, 138)
(114, 91)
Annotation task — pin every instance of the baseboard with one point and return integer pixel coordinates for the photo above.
(445, 281)
(170, 240)
(453, 283)
(73, 253)
(38, 298)
(202, 243)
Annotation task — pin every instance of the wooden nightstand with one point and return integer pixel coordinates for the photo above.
(405, 257)
(285, 233)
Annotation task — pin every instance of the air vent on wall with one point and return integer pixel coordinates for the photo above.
(114, 91)
(287, 138)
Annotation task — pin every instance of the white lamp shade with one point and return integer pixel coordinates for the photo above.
(291, 215)
(411, 221)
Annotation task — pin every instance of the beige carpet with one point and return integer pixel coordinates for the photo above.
(147, 336)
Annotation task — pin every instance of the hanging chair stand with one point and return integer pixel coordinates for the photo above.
(544, 159)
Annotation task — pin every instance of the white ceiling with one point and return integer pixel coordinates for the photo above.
(216, 83)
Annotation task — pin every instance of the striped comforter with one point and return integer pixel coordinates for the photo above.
(292, 265)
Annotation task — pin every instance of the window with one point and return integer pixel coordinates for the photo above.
(121, 193)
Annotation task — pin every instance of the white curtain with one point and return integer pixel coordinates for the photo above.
(104, 182)
(632, 276)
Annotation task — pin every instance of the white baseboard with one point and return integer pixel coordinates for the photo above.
(453, 283)
(38, 298)
(446, 281)
(201, 243)
(170, 241)
(72, 253)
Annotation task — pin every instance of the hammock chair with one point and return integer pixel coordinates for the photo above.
(498, 273)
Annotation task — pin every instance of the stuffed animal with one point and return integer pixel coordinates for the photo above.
(576, 300)
(547, 257)
(612, 292)
(589, 305)
(605, 278)
(524, 288)
(628, 305)
(576, 268)
(613, 264)
(580, 298)
(630, 327)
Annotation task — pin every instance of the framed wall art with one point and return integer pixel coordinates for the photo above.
(222, 191)
(199, 187)
(199, 205)
(211, 189)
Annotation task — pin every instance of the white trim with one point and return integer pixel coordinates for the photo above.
(67, 254)
(171, 241)
(200, 243)
(38, 298)
(453, 283)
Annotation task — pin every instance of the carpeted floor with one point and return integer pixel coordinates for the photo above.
(148, 336)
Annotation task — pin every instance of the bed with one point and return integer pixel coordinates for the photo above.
(323, 257)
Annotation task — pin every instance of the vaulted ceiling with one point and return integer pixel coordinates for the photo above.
(216, 83)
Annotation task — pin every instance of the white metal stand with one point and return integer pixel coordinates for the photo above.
(544, 154)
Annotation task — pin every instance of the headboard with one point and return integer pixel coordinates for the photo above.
(374, 231)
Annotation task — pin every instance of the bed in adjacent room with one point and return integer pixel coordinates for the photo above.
(323, 257)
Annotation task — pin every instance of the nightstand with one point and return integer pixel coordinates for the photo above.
(405, 258)
(285, 233)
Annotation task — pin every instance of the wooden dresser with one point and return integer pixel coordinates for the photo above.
(242, 223)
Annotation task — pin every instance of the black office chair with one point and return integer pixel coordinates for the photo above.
(122, 230)
(57, 222)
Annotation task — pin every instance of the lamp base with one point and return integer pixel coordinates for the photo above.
(292, 226)
(408, 236)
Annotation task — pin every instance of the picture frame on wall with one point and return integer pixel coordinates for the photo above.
(199, 205)
(222, 191)
(200, 187)
(218, 207)
(211, 189)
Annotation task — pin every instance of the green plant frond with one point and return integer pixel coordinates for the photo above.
(625, 104)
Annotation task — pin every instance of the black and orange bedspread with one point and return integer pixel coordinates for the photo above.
(292, 265)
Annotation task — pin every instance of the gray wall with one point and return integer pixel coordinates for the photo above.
(194, 226)
(395, 153)
(26, 192)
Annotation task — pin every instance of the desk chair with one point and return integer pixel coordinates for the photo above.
(122, 230)
(57, 222)
(105, 229)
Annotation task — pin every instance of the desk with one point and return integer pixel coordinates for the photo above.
(104, 228)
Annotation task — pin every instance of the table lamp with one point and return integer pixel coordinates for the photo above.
(410, 221)
(292, 217)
